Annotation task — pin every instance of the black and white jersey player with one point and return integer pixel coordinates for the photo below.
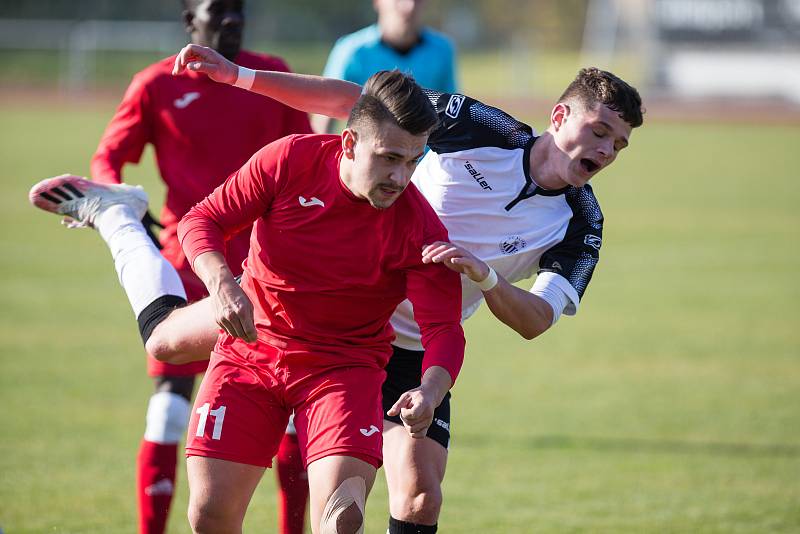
(477, 178)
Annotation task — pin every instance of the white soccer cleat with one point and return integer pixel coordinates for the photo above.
(81, 200)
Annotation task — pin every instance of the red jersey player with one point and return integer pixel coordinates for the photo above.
(202, 131)
(336, 246)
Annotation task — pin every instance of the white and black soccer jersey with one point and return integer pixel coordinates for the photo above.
(476, 177)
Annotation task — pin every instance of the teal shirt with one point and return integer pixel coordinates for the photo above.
(357, 56)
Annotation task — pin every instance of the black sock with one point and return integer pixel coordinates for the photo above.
(155, 312)
(403, 527)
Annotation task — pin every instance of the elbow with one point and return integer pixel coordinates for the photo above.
(530, 332)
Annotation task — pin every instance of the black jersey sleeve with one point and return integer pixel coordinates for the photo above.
(576, 256)
(465, 123)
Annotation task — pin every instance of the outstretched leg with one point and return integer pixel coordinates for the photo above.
(172, 332)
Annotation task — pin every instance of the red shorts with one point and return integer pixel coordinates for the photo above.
(249, 391)
(195, 290)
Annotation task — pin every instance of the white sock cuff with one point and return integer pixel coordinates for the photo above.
(167, 418)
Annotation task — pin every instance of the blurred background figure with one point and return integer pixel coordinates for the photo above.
(398, 40)
(196, 150)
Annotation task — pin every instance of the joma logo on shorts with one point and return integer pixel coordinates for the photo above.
(475, 173)
(372, 430)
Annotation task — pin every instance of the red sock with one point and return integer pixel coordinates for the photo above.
(155, 481)
(292, 486)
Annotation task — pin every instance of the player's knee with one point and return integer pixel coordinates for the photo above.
(160, 347)
(344, 511)
(208, 518)
(167, 417)
(422, 505)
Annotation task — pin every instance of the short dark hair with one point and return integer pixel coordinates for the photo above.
(394, 97)
(593, 86)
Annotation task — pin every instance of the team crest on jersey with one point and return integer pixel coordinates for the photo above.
(512, 244)
(454, 106)
(593, 241)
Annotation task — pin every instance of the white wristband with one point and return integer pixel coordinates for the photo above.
(489, 282)
(245, 78)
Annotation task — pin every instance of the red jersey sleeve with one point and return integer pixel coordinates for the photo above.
(125, 136)
(435, 292)
(233, 206)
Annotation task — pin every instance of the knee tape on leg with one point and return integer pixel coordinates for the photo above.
(167, 418)
(351, 491)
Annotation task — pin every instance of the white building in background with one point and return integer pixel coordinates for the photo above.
(704, 48)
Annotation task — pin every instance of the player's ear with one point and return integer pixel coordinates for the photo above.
(349, 138)
(559, 115)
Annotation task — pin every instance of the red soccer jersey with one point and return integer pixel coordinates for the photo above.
(202, 131)
(326, 270)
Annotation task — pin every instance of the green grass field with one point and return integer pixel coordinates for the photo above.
(669, 404)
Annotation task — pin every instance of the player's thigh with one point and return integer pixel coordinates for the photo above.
(338, 478)
(187, 334)
(238, 412)
(338, 412)
(220, 488)
(412, 466)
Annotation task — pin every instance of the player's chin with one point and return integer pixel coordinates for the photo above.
(580, 175)
(382, 198)
(229, 46)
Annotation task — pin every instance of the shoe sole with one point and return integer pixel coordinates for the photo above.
(48, 194)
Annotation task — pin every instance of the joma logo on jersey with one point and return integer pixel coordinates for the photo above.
(593, 241)
(512, 244)
(477, 176)
(454, 106)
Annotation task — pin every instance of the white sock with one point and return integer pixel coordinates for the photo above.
(143, 272)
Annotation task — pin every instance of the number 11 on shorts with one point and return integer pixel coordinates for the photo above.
(219, 418)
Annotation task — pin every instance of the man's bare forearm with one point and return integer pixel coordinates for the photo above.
(305, 92)
(437, 380)
(213, 270)
(521, 310)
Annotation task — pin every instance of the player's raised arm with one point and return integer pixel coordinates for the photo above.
(311, 94)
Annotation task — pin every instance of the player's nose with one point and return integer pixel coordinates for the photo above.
(398, 177)
(606, 150)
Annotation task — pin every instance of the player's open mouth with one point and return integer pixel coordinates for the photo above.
(589, 166)
(389, 191)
